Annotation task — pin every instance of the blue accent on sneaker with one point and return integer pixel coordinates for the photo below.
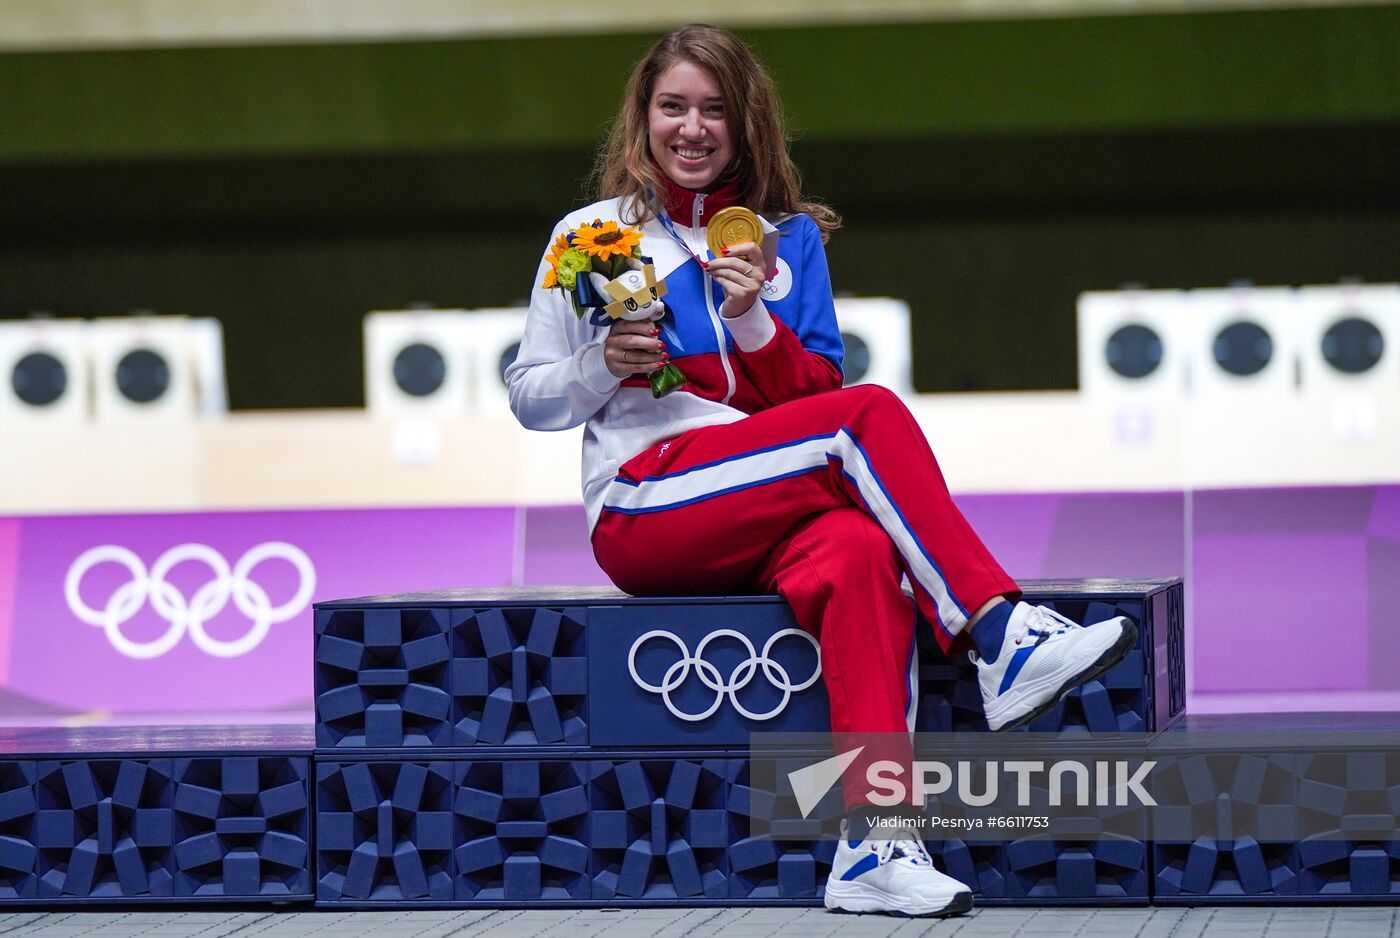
(864, 865)
(1018, 661)
(990, 631)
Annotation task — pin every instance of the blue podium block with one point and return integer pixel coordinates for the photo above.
(1210, 870)
(762, 867)
(103, 828)
(384, 830)
(18, 852)
(981, 865)
(154, 815)
(515, 668)
(381, 677)
(1226, 795)
(1145, 692)
(1334, 869)
(769, 869)
(1359, 791)
(242, 827)
(661, 828)
(519, 676)
(1109, 871)
(702, 674)
(521, 831)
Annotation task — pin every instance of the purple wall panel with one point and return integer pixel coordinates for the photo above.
(556, 550)
(1283, 511)
(1119, 535)
(1286, 592)
(1383, 601)
(9, 570)
(1279, 612)
(9, 573)
(1385, 514)
(1016, 528)
(1383, 574)
(204, 641)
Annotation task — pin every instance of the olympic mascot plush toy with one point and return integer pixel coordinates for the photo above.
(635, 295)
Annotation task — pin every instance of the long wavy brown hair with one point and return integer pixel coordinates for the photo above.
(768, 180)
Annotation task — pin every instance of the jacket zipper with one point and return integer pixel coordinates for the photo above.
(698, 209)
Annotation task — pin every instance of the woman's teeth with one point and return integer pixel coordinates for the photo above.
(691, 154)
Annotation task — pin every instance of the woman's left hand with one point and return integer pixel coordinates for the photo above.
(741, 271)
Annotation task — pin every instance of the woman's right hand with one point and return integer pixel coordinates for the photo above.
(634, 348)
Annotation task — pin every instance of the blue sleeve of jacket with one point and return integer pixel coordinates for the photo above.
(803, 356)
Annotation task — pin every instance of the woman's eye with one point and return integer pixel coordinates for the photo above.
(715, 109)
(670, 106)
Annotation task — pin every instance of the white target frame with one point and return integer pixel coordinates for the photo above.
(882, 323)
(387, 333)
(171, 338)
(1322, 307)
(1101, 314)
(1212, 311)
(67, 341)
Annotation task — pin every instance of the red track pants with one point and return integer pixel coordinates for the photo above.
(827, 501)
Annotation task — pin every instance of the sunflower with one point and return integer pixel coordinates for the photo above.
(604, 239)
(556, 251)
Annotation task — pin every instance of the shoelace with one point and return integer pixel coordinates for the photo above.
(1043, 623)
(903, 842)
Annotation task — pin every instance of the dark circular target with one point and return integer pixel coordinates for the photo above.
(142, 376)
(1353, 345)
(419, 369)
(1134, 351)
(508, 358)
(39, 379)
(1243, 348)
(856, 362)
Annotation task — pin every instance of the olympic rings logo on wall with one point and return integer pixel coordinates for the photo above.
(709, 675)
(189, 614)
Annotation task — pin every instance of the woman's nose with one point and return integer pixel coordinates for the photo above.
(692, 126)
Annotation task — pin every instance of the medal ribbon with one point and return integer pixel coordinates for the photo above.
(671, 230)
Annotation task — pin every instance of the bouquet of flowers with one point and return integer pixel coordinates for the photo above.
(601, 267)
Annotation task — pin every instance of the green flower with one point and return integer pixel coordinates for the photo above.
(573, 262)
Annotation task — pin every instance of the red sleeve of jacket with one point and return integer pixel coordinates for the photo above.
(784, 371)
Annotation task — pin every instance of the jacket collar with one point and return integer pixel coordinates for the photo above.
(680, 203)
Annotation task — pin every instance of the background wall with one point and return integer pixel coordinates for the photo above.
(989, 171)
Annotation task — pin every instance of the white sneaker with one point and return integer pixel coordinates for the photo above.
(894, 876)
(1043, 657)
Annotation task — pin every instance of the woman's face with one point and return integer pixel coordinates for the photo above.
(686, 127)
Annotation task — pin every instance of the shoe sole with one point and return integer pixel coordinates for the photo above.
(1115, 653)
(960, 904)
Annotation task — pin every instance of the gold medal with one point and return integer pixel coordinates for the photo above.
(731, 226)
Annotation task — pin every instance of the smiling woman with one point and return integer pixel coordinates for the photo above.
(761, 474)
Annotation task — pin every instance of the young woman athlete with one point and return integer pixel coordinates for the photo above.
(764, 475)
